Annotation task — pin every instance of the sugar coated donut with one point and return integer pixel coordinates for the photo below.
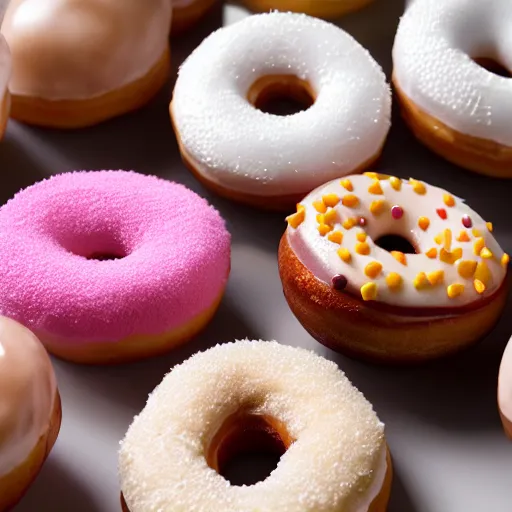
(30, 412)
(354, 292)
(220, 402)
(454, 105)
(186, 13)
(111, 266)
(79, 62)
(328, 9)
(268, 160)
(5, 74)
(505, 389)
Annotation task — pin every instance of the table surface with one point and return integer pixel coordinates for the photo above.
(443, 428)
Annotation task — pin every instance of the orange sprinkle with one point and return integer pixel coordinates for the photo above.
(395, 182)
(349, 223)
(373, 269)
(331, 200)
(463, 236)
(361, 237)
(479, 245)
(486, 253)
(489, 226)
(350, 200)
(394, 281)
(505, 259)
(362, 248)
(424, 223)
(450, 257)
(431, 253)
(372, 175)
(476, 232)
(447, 239)
(377, 207)
(466, 268)
(418, 187)
(479, 286)
(375, 187)
(347, 184)
(345, 255)
(482, 272)
(399, 256)
(335, 237)
(369, 291)
(454, 290)
(323, 229)
(448, 200)
(421, 281)
(438, 239)
(296, 219)
(330, 217)
(435, 277)
(320, 218)
(319, 206)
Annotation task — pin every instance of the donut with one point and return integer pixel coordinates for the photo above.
(5, 73)
(390, 270)
(79, 62)
(272, 161)
(251, 396)
(186, 13)
(30, 412)
(453, 104)
(327, 9)
(111, 266)
(505, 390)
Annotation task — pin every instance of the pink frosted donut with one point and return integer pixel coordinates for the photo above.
(111, 266)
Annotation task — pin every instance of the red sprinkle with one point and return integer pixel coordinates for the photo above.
(442, 213)
(397, 212)
(466, 221)
(362, 222)
(339, 282)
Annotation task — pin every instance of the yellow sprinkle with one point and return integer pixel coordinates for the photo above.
(435, 277)
(482, 272)
(375, 188)
(479, 286)
(362, 248)
(466, 268)
(336, 237)
(373, 269)
(361, 237)
(424, 223)
(349, 223)
(350, 200)
(319, 206)
(369, 291)
(377, 207)
(479, 245)
(454, 290)
(296, 219)
(330, 216)
(448, 200)
(489, 226)
(486, 253)
(323, 229)
(438, 239)
(431, 253)
(320, 218)
(421, 281)
(395, 182)
(418, 187)
(450, 257)
(505, 259)
(463, 236)
(476, 232)
(347, 184)
(394, 281)
(372, 175)
(399, 256)
(331, 200)
(345, 255)
(447, 239)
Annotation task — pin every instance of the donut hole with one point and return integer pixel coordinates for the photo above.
(99, 246)
(281, 95)
(493, 66)
(399, 243)
(247, 448)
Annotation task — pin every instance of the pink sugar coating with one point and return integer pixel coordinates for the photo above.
(176, 256)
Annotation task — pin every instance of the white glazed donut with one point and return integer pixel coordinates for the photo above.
(76, 62)
(271, 160)
(454, 105)
(336, 458)
(5, 74)
(456, 278)
(505, 389)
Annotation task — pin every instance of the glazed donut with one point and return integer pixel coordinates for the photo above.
(505, 390)
(354, 296)
(221, 402)
(267, 160)
(186, 13)
(328, 9)
(79, 62)
(5, 73)
(455, 106)
(30, 413)
(111, 266)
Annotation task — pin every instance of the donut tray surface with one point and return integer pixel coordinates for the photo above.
(443, 428)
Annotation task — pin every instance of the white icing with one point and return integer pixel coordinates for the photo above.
(433, 51)
(336, 463)
(27, 393)
(239, 147)
(79, 49)
(320, 255)
(505, 383)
